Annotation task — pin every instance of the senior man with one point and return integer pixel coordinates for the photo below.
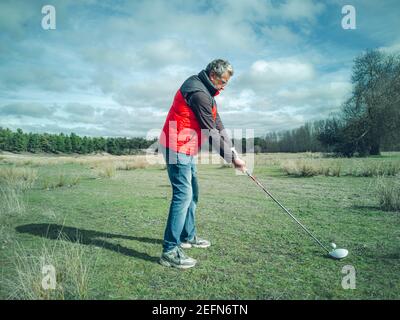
(192, 119)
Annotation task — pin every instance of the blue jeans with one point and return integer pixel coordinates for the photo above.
(182, 174)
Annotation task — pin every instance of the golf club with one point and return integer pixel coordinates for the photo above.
(335, 253)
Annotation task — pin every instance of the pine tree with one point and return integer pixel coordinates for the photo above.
(33, 142)
(19, 141)
(44, 142)
(84, 146)
(67, 144)
(60, 143)
(75, 143)
(111, 146)
(3, 138)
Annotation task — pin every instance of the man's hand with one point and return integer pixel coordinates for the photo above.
(239, 164)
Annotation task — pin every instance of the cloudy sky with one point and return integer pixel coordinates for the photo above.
(111, 68)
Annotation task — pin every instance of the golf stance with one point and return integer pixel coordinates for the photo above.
(192, 119)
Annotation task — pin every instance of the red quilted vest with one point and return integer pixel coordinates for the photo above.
(181, 131)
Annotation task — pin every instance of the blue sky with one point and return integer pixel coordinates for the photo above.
(111, 68)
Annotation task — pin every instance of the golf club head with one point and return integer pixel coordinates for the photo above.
(338, 253)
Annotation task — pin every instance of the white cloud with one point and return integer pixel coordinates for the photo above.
(281, 71)
(165, 52)
(113, 68)
(331, 92)
(264, 75)
(155, 89)
(280, 34)
(300, 94)
(301, 9)
(21, 110)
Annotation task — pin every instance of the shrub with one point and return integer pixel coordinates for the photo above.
(72, 270)
(106, 170)
(12, 201)
(13, 184)
(22, 178)
(388, 193)
(61, 180)
(301, 168)
(132, 165)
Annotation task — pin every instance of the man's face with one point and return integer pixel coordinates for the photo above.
(220, 82)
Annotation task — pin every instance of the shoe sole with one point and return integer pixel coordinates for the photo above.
(188, 246)
(165, 263)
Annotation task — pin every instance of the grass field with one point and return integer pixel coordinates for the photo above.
(99, 221)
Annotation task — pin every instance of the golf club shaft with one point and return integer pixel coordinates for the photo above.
(286, 210)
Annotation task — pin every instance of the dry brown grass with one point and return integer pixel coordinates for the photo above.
(340, 167)
(23, 178)
(388, 192)
(132, 164)
(105, 169)
(105, 164)
(72, 269)
(14, 181)
(61, 180)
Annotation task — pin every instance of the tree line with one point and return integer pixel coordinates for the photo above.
(62, 143)
(308, 138)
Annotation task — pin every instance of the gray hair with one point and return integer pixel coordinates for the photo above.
(219, 67)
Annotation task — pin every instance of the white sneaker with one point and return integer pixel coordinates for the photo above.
(196, 243)
(177, 258)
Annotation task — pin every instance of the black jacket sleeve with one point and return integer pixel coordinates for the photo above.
(220, 127)
(201, 105)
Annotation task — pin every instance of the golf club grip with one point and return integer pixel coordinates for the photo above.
(286, 210)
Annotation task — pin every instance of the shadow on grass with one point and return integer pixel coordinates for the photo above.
(87, 237)
(378, 209)
(394, 255)
(365, 207)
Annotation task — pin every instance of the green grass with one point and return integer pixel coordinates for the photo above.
(257, 251)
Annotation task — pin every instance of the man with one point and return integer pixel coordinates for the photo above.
(192, 119)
